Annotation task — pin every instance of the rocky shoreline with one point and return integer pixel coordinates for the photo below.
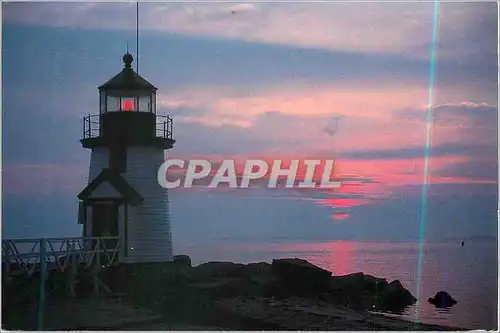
(287, 294)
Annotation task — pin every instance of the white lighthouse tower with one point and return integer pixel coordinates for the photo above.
(128, 140)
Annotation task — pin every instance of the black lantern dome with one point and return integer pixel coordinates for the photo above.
(127, 91)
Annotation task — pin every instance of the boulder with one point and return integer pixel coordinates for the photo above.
(182, 260)
(346, 288)
(301, 278)
(259, 268)
(352, 281)
(356, 290)
(442, 300)
(374, 284)
(362, 291)
(219, 269)
(261, 277)
(395, 297)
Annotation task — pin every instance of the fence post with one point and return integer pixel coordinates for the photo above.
(6, 264)
(171, 128)
(43, 275)
(73, 270)
(90, 126)
(97, 267)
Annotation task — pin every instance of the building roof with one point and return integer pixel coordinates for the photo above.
(117, 182)
(128, 78)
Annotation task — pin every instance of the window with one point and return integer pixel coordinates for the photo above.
(153, 103)
(113, 103)
(145, 103)
(127, 104)
(102, 101)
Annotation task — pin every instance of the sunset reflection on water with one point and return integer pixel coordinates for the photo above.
(466, 274)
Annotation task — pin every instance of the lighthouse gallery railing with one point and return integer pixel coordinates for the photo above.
(92, 126)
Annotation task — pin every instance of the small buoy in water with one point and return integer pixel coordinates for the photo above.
(463, 242)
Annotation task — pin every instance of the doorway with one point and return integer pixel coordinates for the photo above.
(105, 222)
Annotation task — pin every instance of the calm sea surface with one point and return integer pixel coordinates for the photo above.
(469, 273)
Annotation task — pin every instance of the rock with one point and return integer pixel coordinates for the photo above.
(218, 269)
(442, 300)
(374, 284)
(226, 279)
(395, 297)
(347, 282)
(347, 290)
(352, 282)
(259, 268)
(261, 277)
(301, 278)
(182, 260)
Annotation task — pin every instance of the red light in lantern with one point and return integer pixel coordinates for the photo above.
(127, 104)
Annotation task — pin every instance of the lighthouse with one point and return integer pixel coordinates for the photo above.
(128, 140)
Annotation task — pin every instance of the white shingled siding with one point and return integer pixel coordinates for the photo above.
(99, 159)
(149, 232)
(88, 227)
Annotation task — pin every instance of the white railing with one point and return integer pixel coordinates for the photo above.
(28, 255)
(25, 256)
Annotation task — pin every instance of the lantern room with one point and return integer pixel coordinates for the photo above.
(127, 113)
(127, 92)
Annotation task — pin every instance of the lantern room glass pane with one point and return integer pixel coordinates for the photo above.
(128, 104)
(102, 101)
(113, 103)
(153, 106)
(145, 103)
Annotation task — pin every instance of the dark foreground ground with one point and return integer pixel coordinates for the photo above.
(235, 314)
(289, 294)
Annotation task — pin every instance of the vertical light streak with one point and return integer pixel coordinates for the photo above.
(428, 134)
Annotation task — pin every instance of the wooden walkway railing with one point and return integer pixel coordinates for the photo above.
(23, 257)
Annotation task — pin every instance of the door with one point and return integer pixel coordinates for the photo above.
(105, 223)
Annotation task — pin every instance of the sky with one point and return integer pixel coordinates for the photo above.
(343, 81)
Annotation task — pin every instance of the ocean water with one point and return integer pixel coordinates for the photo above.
(468, 273)
(379, 240)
